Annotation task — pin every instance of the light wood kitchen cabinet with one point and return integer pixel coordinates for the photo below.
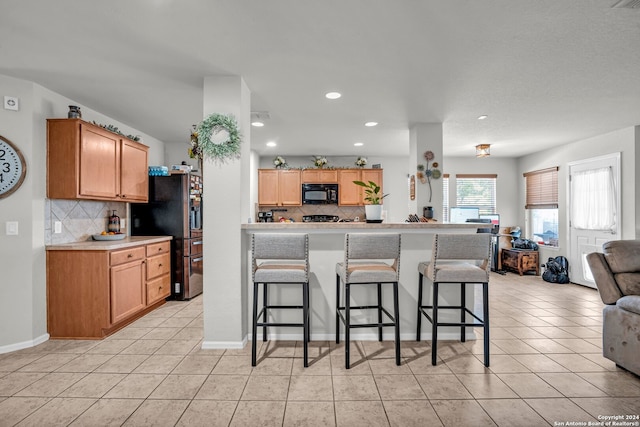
(319, 176)
(367, 175)
(279, 187)
(158, 272)
(351, 194)
(127, 285)
(85, 161)
(93, 293)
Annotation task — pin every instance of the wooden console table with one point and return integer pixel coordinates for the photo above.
(520, 260)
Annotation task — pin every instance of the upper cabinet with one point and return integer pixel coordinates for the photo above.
(319, 176)
(279, 187)
(351, 194)
(85, 161)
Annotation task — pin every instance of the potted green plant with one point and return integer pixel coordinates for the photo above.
(373, 195)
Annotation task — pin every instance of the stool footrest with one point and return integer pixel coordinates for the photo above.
(280, 324)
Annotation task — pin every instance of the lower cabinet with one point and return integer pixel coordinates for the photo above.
(93, 293)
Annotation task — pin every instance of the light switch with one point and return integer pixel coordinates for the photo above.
(123, 223)
(57, 227)
(12, 228)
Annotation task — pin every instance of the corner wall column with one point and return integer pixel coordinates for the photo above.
(426, 137)
(225, 207)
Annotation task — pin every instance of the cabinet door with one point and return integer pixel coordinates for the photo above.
(349, 193)
(290, 188)
(99, 160)
(134, 172)
(127, 290)
(268, 189)
(329, 176)
(374, 175)
(311, 176)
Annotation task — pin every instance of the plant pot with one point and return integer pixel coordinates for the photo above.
(373, 212)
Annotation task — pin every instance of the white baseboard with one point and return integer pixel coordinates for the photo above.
(24, 344)
(218, 345)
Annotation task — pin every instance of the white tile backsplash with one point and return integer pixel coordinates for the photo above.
(80, 219)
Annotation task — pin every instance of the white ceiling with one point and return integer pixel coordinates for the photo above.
(546, 72)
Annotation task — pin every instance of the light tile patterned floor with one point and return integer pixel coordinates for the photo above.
(546, 368)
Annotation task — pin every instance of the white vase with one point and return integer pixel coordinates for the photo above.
(373, 212)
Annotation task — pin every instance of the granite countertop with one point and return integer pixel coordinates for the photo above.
(108, 245)
(409, 226)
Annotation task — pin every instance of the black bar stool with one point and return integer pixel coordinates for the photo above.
(456, 258)
(369, 259)
(279, 259)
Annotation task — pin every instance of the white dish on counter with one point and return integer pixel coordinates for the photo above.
(109, 236)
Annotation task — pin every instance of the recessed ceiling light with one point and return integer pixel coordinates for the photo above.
(358, 144)
(333, 95)
(257, 124)
(482, 117)
(271, 144)
(370, 124)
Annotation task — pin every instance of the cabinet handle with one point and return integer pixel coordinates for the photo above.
(123, 196)
(130, 256)
(159, 265)
(159, 249)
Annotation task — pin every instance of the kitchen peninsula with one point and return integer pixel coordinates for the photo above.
(326, 248)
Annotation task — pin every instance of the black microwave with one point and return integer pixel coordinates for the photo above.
(319, 194)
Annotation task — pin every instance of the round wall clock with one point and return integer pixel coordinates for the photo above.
(13, 167)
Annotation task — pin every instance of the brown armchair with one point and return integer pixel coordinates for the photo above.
(617, 275)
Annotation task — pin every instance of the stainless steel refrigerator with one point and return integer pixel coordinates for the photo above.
(175, 209)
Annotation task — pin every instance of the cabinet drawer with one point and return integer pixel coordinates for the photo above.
(158, 248)
(126, 255)
(158, 265)
(158, 288)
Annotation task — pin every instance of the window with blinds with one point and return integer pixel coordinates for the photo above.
(445, 197)
(542, 206)
(542, 189)
(477, 190)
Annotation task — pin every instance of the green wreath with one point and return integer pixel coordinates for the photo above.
(212, 125)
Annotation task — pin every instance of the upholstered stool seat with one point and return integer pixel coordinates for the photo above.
(370, 259)
(279, 259)
(456, 258)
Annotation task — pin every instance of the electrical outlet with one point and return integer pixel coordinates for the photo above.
(11, 103)
(12, 228)
(123, 223)
(57, 227)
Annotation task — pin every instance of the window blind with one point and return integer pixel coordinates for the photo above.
(445, 197)
(477, 190)
(542, 189)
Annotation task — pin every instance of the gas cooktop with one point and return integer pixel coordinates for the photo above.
(320, 218)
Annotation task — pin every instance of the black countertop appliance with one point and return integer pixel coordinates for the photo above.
(175, 209)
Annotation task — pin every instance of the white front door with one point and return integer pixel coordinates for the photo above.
(594, 211)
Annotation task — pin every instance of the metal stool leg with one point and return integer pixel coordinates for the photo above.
(254, 336)
(337, 309)
(463, 314)
(347, 326)
(305, 321)
(396, 318)
(380, 311)
(419, 307)
(434, 326)
(264, 313)
(485, 320)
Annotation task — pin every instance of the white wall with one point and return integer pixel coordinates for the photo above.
(22, 257)
(626, 141)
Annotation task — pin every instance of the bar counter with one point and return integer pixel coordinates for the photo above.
(326, 248)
